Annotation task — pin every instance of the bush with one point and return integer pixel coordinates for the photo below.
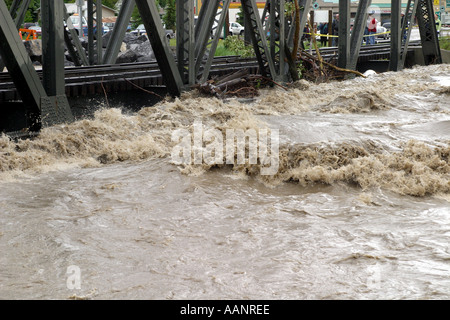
(444, 43)
(237, 45)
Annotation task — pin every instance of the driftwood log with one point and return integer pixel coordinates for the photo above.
(239, 84)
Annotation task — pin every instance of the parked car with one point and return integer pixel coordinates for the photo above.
(75, 19)
(108, 26)
(382, 30)
(233, 30)
(236, 29)
(141, 30)
(27, 25)
(38, 30)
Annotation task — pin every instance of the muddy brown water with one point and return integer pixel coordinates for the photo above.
(359, 207)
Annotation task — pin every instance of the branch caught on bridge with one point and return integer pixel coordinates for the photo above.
(239, 84)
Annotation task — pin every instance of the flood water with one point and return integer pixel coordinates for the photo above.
(359, 207)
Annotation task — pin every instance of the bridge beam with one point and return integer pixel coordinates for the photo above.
(164, 56)
(42, 109)
(56, 110)
(186, 40)
(218, 16)
(203, 29)
(344, 34)
(118, 33)
(410, 13)
(396, 36)
(277, 39)
(258, 38)
(18, 62)
(18, 10)
(356, 37)
(73, 43)
(53, 47)
(428, 34)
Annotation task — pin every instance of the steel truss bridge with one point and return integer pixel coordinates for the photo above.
(44, 94)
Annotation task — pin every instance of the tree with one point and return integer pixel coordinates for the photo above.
(170, 17)
(136, 16)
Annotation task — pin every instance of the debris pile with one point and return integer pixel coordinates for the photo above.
(315, 69)
(239, 84)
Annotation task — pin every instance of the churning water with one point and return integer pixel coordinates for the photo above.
(358, 209)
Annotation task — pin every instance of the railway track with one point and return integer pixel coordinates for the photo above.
(84, 81)
(101, 79)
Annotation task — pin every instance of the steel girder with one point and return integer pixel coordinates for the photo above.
(344, 34)
(73, 43)
(18, 62)
(410, 13)
(203, 33)
(258, 38)
(92, 52)
(55, 107)
(428, 33)
(356, 37)
(164, 56)
(211, 26)
(185, 40)
(53, 47)
(118, 33)
(18, 10)
(396, 36)
(49, 110)
(277, 38)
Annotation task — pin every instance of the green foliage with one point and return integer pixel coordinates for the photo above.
(163, 3)
(109, 3)
(169, 17)
(221, 51)
(136, 16)
(31, 14)
(237, 45)
(240, 16)
(444, 43)
(300, 69)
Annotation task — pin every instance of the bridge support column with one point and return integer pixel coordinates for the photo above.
(396, 36)
(428, 33)
(277, 39)
(186, 40)
(344, 34)
(53, 64)
(41, 108)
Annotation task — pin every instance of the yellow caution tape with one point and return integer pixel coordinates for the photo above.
(333, 36)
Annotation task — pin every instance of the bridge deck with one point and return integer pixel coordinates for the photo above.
(84, 81)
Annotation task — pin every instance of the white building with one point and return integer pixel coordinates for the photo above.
(106, 11)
